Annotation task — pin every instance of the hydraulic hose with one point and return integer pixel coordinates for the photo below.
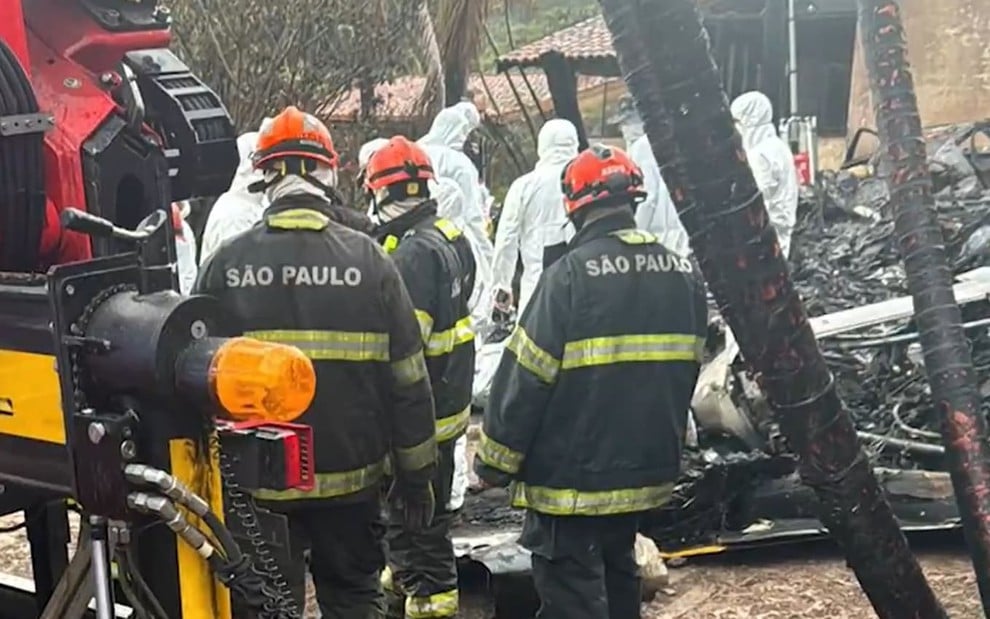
(166, 511)
(22, 181)
(233, 571)
(178, 492)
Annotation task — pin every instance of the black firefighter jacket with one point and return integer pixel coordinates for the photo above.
(438, 268)
(300, 278)
(589, 404)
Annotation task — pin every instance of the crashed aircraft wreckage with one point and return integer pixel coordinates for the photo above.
(740, 487)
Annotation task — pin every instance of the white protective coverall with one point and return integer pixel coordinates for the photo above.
(533, 215)
(771, 161)
(185, 247)
(444, 143)
(657, 214)
(237, 209)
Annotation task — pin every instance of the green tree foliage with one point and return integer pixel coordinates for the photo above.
(531, 21)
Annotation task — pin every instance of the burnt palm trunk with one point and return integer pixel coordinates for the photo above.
(665, 58)
(948, 361)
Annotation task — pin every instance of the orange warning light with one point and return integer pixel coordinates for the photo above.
(255, 380)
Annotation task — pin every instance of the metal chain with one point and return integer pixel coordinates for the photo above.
(281, 604)
(78, 329)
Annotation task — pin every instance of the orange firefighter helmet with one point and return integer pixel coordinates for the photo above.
(397, 161)
(294, 134)
(599, 174)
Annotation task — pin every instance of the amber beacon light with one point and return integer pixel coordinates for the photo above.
(249, 379)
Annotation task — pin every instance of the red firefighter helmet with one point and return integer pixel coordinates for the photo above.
(601, 173)
(397, 161)
(294, 134)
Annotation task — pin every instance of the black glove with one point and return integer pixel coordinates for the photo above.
(415, 503)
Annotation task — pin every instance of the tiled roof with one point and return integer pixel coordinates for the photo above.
(397, 99)
(587, 40)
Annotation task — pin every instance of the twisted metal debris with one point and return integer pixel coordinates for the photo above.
(666, 61)
(947, 356)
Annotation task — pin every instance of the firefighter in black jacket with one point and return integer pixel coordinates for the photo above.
(300, 278)
(437, 266)
(589, 404)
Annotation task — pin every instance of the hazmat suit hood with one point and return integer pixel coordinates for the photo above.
(237, 209)
(368, 149)
(557, 143)
(452, 126)
(771, 161)
(753, 113)
(245, 174)
(533, 216)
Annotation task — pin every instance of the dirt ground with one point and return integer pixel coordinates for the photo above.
(798, 582)
(809, 582)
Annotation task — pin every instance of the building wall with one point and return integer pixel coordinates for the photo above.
(949, 52)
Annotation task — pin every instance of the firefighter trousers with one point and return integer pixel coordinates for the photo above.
(346, 556)
(584, 567)
(422, 566)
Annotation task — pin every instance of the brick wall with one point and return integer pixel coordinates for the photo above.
(949, 51)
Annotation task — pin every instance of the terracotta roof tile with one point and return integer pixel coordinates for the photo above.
(397, 99)
(587, 40)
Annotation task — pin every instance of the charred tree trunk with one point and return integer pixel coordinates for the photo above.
(948, 360)
(431, 101)
(665, 58)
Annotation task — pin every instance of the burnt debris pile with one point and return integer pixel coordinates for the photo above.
(845, 256)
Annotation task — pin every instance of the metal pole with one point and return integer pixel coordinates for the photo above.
(101, 568)
(792, 74)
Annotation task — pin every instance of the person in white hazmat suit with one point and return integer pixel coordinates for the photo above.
(450, 206)
(185, 246)
(237, 209)
(533, 215)
(656, 213)
(444, 143)
(771, 161)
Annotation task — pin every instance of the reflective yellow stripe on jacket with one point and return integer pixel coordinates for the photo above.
(425, 325)
(498, 456)
(298, 219)
(631, 348)
(603, 351)
(358, 347)
(447, 229)
(330, 345)
(449, 428)
(565, 502)
(442, 343)
(330, 485)
(538, 361)
(348, 346)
